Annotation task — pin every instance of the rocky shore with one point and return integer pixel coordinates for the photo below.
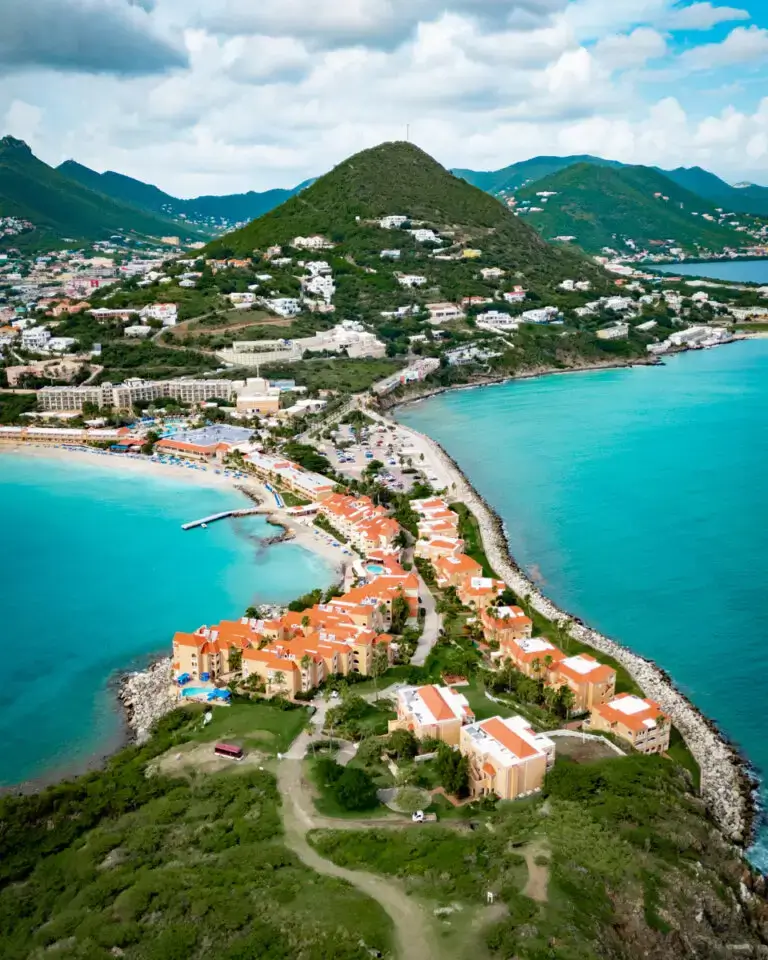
(146, 696)
(727, 785)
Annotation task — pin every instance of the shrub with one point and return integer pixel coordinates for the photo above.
(355, 790)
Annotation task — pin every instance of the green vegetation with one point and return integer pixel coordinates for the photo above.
(601, 205)
(271, 728)
(469, 531)
(355, 719)
(625, 856)
(233, 208)
(510, 179)
(59, 207)
(343, 375)
(117, 863)
(12, 405)
(146, 359)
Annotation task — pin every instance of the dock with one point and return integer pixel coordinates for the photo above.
(247, 512)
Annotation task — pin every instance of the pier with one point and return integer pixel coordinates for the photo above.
(249, 511)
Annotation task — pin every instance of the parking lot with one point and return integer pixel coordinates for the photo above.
(351, 451)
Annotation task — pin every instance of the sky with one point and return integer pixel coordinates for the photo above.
(223, 96)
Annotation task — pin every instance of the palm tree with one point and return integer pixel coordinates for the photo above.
(567, 700)
(306, 660)
(278, 678)
(305, 621)
(536, 665)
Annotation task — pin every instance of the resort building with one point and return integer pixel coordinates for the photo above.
(505, 624)
(257, 396)
(456, 570)
(506, 757)
(479, 593)
(592, 683)
(435, 712)
(639, 722)
(359, 521)
(122, 396)
(208, 443)
(536, 657)
(311, 486)
(438, 547)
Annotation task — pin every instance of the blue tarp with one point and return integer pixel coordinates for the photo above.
(184, 678)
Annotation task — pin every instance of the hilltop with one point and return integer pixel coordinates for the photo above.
(346, 204)
(602, 206)
(747, 198)
(232, 208)
(60, 208)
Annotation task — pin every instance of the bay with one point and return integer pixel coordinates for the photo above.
(735, 271)
(638, 499)
(96, 575)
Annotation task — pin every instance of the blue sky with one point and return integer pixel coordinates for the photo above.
(214, 96)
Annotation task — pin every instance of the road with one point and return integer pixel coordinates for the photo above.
(433, 623)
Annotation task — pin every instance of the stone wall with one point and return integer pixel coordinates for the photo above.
(147, 696)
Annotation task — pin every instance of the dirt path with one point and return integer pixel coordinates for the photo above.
(538, 873)
(414, 937)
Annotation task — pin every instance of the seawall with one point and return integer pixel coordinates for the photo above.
(727, 785)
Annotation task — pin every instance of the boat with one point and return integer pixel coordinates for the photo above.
(204, 526)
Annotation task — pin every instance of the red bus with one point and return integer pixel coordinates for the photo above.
(228, 750)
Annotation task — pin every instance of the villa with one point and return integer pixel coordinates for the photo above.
(479, 593)
(435, 712)
(454, 571)
(505, 624)
(536, 657)
(506, 757)
(592, 683)
(640, 722)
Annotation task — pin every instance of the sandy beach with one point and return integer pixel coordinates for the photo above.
(303, 535)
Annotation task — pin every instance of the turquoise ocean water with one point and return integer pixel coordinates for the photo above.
(638, 499)
(736, 271)
(95, 576)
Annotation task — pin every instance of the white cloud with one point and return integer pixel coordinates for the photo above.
(23, 120)
(626, 51)
(703, 16)
(742, 46)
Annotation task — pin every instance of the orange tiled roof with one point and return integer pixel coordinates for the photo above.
(435, 703)
(633, 721)
(509, 739)
(600, 673)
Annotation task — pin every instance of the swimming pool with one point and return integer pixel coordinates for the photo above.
(196, 691)
(375, 568)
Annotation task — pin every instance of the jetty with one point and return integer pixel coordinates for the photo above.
(248, 511)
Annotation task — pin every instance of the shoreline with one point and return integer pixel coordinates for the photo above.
(727, 782)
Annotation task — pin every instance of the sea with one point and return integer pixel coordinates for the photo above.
(637, 499)
(96, 575)
(735, 271)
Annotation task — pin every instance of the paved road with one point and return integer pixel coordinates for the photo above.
(433, 623)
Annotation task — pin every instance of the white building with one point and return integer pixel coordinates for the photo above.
(392, 222)
(423, 235)
(492, 273)
(35, 338)
(517, 295)
(60, 344)
(283, 306)
(390, 254)
(444, 312)
(618, 304)
(411, 280)
(166, 313)
(496, 320)
(242, 301)
(619, 331)
(645, 327)
(311, 243)
(541, 315)
(569, 285)
(138, 330)
(320, 286)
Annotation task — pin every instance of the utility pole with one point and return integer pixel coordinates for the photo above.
(408, 132)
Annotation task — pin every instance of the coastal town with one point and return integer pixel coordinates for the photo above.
(427, 698)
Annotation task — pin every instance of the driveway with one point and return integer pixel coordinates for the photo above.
(433, 623)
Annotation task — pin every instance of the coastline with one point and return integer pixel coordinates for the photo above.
(727, 784)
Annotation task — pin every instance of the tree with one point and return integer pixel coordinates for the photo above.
(355, 790)
(253, 613)
(566, 701)
(149, 443)
(235, 659)
(403, 744)
(379, 665)
(278, 678)
(453, 770)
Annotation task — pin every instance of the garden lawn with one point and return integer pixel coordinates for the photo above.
(258, 725)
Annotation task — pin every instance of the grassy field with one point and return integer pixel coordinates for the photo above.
(149, 868)
(251, 724)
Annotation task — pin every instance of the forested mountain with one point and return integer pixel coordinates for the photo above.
(60, 208)
(749, 198)
(233, 208)
(399, 178)
(602, 206)
(517, 175)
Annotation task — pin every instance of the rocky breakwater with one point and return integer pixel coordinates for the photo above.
(147, 696)
(727, 786)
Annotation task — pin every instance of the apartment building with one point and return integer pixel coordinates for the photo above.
(592, 683)
(506, 757)
(365, 525)
(122, 396)
(479, 593)
(304, 483)
(454, 571)
(640, 722)
(536, 657)
(432, 711)
(438, 547)
(506, 623)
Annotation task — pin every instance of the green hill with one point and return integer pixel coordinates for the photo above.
(749, 198)
(517, 175)
(233, 208)
(61, 208)
(604, 206)
(399, 178)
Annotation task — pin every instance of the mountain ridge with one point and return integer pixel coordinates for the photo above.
(601, 206)
(61, 208)
(232, 208)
